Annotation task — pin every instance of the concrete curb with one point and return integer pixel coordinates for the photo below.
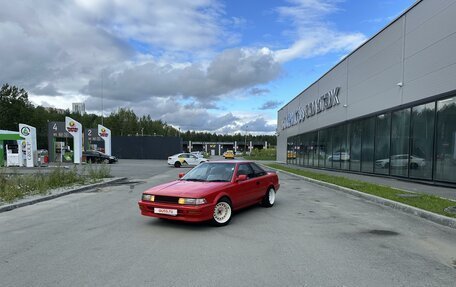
(436, 218)
(12, 206)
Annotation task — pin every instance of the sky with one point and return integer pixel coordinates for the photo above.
(204, 65)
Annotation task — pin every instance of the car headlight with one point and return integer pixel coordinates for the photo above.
(192, 201)
(148, 197)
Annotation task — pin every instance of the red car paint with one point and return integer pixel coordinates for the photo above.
(241, 194)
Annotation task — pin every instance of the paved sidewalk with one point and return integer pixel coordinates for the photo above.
(442, 191)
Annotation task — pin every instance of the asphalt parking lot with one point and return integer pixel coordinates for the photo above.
(313, 236)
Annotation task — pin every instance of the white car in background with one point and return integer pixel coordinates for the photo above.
(401, 160)
(185, 159)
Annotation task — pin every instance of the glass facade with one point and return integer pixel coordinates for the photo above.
(417, 142)
(445, 160)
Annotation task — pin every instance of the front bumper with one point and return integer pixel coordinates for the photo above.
(189, 213)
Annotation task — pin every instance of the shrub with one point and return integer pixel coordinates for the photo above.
(262, 154)
(15, 186)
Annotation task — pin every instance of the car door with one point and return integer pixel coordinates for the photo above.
(192, 160)
(247, 189)
(261, 182)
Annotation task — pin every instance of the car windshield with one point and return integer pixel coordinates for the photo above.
(212, 172)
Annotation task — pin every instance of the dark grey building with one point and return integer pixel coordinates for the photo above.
(388, 108)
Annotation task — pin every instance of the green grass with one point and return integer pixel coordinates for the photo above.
(14, 186)
(423, 201)
(262, 154)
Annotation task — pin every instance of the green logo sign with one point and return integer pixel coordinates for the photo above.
(25, 131)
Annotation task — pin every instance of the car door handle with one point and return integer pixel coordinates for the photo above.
(258, 183)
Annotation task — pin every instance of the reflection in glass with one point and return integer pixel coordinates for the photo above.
(329, 147)
(314, 145)
(355, 145)
(300, 150)
(322, 148)
(335, 156)
(445, 162)
(303, 150)
(400, 129)
(421, 144)
(367, 148)
(382, 144)
(289, 149)
(344, 154)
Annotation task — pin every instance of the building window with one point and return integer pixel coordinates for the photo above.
(355, 145)
(314, 148)
(302, 150)
(421, 142)
(382, 144)
(417, 142)
(322, 147)
(330, 145)
(445, 161)
(367, 147)
(344, 154)
(400, 159)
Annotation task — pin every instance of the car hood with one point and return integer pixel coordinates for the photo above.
(182, 188)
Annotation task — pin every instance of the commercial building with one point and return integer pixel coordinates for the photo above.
(78, 108)
(388, 108)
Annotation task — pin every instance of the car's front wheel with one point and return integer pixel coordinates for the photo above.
(222, 213)
(269, 198)
(177, 164)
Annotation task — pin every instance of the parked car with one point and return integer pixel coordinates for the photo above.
(291, 154)
(229, 154)
(94, 156)
(184, 159)
(211, 192)
(339, 156)
(401, 160)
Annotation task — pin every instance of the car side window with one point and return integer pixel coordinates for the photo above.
(258, 171)
(245, 169)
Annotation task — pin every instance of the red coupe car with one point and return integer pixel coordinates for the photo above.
(211, 192)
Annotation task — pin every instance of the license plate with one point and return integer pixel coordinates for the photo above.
(166, 211)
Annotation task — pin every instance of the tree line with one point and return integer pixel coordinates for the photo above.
(15, 108)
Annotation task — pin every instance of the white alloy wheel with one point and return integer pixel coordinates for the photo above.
(271, 196)
(222, 213)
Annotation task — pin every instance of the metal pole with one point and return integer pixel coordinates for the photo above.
(102, 107)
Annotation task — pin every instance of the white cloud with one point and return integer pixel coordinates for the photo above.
(229, 71)
(269, 105)
(177, 24)
(312, 35)
(320, 41)
(171, 59)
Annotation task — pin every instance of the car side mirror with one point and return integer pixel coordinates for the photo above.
(181, 175)
(241, 177)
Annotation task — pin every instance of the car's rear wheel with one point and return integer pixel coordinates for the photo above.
(222, 213)
(177, 164)
(269, 198)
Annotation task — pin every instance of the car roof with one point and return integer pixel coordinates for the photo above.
(231, 161)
